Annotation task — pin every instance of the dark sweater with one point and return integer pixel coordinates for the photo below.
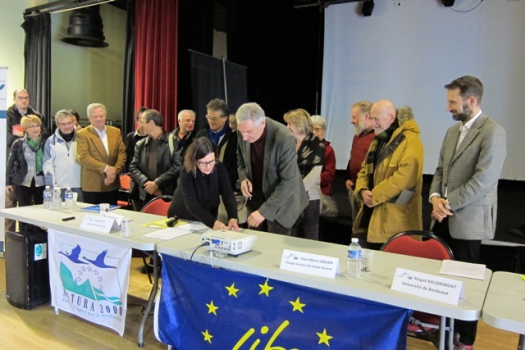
(199, 195)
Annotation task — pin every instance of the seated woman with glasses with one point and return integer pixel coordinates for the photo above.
(203, 181)
(24, 167)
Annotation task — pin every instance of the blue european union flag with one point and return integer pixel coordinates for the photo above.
(201, 307)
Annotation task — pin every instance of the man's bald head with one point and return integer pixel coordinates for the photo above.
(383, 114)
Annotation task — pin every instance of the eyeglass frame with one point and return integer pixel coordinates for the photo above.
(207, 164)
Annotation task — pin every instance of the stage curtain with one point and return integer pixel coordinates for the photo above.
(37, 55)
(128, 98)
(156, 48)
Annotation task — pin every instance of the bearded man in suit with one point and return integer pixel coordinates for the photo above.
(102, 154)
(464, 190)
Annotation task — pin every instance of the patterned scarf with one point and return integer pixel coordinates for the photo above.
(36, 146)
(310, 154)
(372, 159)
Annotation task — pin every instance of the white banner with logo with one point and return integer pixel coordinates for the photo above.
(89, 279)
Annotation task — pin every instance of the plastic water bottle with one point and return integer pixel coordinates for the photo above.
(57, 198)
(69, 199)
(48, 197)
(353, 264)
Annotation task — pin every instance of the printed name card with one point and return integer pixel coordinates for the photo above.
(428, 286)
(116, 217)
(97, 223)
(310, 264)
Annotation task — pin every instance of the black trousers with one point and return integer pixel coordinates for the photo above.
(110, 197)
(28, 196)
(309, 227)
(465, 250)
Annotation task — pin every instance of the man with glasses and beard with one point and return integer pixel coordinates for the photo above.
(464, 190)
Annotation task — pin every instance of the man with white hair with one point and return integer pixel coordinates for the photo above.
(182, 137)
(363, 137)
(102, 155)
(391, 178)
(267, 165)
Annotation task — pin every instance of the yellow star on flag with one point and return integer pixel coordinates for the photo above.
(212, 308)
(207, 336)
(323, 337)
(232, 290)
(265, 288)
(297, 305)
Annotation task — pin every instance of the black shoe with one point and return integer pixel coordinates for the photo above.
(146, 269)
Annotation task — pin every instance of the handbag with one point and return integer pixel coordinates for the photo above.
(328, 206)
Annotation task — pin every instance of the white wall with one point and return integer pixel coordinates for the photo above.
(12, 38)
(408, 50)
(82, 75)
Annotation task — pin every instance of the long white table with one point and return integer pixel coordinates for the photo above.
(504, 306)
(39, 216)
(265, 259)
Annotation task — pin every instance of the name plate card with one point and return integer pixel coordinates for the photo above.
(428, 286)
(116, 217)
(310, 264)
(97, 223)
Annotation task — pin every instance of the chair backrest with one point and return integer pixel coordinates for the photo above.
(125, 182)
(422, 244)
(158, 206)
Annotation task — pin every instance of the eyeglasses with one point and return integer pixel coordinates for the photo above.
(34, 126)
(215, 118)
(21, 98)
(318, 129)
(207, 164)
(66, 124)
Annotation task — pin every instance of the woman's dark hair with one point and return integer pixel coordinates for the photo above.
(199, 149)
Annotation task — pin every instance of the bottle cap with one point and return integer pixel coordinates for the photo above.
(355, 240)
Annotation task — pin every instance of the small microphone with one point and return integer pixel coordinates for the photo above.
(171, 222)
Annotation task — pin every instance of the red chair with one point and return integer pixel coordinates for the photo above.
(422, 244)
(158, 206)
(124, 200)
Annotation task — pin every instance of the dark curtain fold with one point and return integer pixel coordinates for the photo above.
(37, 55)
(195, 33)
(282, 49)
(128, 100)
(156, 48)
(209, 81)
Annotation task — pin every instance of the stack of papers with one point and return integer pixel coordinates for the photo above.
(181, 228)
(463, 269)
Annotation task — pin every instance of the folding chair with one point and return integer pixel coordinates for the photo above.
(157, 206)
(422, 244)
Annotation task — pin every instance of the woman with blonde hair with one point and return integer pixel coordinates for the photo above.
(25, 174)
(310, 159)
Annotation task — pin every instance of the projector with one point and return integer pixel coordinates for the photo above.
(229, 242)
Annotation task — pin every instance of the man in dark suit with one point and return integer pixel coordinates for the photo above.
(267, 164)
(133, 137)
(465, 185)
(153, 168)
(219, 132)
(102, 154)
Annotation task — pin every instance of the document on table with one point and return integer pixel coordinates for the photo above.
(193, 226)
(463, 269)
(168, 233)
